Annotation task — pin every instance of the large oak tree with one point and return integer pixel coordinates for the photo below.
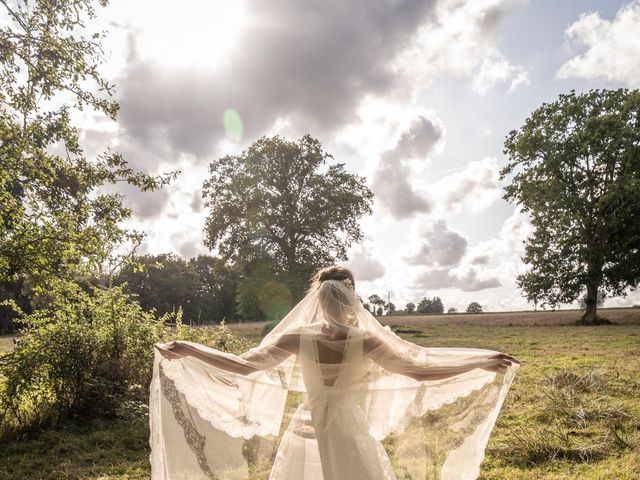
(283, 202)
(576, 173)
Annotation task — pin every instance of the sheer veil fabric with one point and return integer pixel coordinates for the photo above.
(329, 394)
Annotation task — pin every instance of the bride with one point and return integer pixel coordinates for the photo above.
(328, 394)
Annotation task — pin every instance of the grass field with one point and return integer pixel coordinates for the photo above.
(573, 411)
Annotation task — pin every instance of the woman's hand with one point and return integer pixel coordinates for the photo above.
(505, 362)
(168, 350)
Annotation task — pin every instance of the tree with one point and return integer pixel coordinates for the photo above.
(53, 219)
(278, 200)
(424, 306)
(436, 305)
(433, 305)
(203, 286)
(474, 307)
(583, 300)
(576, 173)
(410, 308)
(377, 303)
(391, 308)
(452, 310)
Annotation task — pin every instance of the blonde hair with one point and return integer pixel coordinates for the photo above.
(332, 273)
(331, 294)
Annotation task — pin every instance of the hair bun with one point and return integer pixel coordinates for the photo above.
(335, 272)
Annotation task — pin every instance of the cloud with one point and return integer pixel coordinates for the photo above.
(441, 278)
(364, 263)
(196, 202)
(480, 260)
(439, 246)
(494, 69)
(611, 47)
(470, 190)
(311, 66)
(190, 249)
(312, 63)
(391, 181)
(144, 205)
(463, 41)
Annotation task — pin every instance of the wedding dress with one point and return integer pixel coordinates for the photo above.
(358, 404)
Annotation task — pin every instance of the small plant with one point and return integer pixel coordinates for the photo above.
(214, 336)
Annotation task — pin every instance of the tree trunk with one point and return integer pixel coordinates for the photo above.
(590, 316)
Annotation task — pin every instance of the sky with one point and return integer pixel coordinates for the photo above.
(416, 96)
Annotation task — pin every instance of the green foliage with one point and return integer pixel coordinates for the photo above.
(376, 303)
(53, 221)
(576, 174)
(279, 202)
(202, 286)
(218, 336)
(433, 305)
(391, 308)
(474, 307)
(265, 292)
(80, 354)
(268, 327)
(410, 308)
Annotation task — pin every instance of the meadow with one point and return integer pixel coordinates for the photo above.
(572, 412)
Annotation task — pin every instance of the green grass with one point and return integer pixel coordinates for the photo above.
(572, 412)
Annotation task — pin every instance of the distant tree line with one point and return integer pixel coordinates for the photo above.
(203, 287)
(426, 306)
(376, 305)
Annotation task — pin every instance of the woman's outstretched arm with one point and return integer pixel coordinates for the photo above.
(384, 355)
(251, 361)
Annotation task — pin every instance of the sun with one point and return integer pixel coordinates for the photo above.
(187, 33)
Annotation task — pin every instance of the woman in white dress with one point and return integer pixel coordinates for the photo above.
(358, 402)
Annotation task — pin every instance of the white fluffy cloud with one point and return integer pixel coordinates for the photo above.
(438, 246)
(443, 278)
(611, 48)
(441, 252)
(363, 260)
(470, 190)
(464, 41)
(392, 183)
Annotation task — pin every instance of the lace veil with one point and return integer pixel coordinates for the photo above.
(218, 415)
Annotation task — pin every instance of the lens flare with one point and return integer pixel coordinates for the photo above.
(232, 122)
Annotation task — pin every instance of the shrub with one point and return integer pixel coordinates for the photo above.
(269, 326)
(81, 354)
(214, 336)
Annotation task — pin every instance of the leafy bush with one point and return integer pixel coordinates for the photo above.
(269, 326)
(218, 336)
(81, 354)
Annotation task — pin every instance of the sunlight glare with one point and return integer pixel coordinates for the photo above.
(197, 33)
